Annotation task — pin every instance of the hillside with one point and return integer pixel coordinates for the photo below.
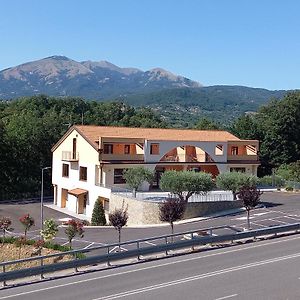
(62, 76)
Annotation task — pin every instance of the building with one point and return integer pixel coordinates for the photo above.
(88, 161)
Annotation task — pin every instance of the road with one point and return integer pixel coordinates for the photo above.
(262, 270)
(280, 208)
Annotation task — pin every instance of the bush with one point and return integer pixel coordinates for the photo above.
(268, 181)
(289, 188)
(98, 216)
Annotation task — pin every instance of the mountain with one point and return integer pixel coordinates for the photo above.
(62, 76)
(183, 107)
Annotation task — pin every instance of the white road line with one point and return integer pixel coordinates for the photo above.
(149, 243)
(197, 277)
(88, 246)
(258, 224)
(226, 297)
(281, 222)
(242, 248)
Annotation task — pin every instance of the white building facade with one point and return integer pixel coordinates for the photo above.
(89, 161)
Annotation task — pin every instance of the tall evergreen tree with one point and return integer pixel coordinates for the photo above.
(98, 216)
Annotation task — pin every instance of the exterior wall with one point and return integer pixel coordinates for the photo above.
(144, 212)
(88, 157)
(166, 146)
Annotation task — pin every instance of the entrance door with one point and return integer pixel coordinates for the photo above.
(64, 197)
(82, 202)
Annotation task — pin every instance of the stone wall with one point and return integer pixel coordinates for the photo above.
(145, 212)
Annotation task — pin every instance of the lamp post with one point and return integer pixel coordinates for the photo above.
(42, 198)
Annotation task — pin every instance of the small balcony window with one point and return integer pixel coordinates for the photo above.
(108, 149)
(154, 149)
(83, 173)
(234, 150)
(127, 149)
(65, 170)
(118, 176)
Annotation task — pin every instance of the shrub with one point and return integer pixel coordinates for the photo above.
(98, 216)
(289, 188)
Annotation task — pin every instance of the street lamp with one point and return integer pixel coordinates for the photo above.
(42, 198)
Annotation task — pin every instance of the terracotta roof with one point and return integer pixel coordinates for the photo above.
(93, 133)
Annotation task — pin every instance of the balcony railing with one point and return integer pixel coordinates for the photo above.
(70, 156)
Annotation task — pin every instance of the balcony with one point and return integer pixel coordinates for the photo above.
(122, 157)
(70, 156)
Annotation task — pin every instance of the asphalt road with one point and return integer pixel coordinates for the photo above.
(279, 209)
(262, 270)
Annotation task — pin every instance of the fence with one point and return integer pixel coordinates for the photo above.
(136, 249)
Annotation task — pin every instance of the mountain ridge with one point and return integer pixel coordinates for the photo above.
(60, 76)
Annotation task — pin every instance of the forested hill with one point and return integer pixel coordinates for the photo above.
(182, 106)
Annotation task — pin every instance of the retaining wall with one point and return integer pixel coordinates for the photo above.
(145, 212)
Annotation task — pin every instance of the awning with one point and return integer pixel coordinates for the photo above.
(77, 192)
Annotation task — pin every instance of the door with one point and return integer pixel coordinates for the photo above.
(157, 177)
(74, 149)
(64, 198)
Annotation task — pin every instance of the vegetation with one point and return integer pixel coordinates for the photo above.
(290, 171)
(234, 181)
(50, 230)
(98, 215)
(27, 221)
(134, 177)
(5, 224)
(250, 197)
(207, 124)
(30, 126)
(73, 229)
(277, 126)
(186, 183)
(171, 211)
(119, 219)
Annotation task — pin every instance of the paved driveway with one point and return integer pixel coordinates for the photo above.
(278, 209)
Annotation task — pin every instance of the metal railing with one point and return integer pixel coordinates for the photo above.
(70, 156)
(135, 249)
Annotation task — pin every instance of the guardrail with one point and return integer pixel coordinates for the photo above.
(169, 242)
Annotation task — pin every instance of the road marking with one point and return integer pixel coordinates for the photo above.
(197, 277)
(149, 243)
(258, 224)
(153, 267)
(86, 247)
(226, 297)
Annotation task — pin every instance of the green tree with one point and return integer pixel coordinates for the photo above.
(250, 197)
(50, 230)
(134, 177)
(98, 215)
(207, 124)
(186, 183)
(233, 181)
(171, 211)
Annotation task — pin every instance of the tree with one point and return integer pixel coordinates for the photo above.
(50, 230)
(171, 211)
(27, 221)
(206, 124)
(118, 219)
(134, 177)
(233, 181)
(73, 228)
(98, 216)
(5, 224)
(250, 197)
(186, 183)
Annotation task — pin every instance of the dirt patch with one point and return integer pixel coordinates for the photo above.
(10, 252)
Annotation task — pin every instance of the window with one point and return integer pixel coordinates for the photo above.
(108, 148)
(154, 149)
(65, 170)
(127, 149)
(118, 176)
(219, 150)
(234, 150)
(241, 170)
(83, 173)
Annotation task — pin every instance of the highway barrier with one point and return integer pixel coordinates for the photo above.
(135, 249)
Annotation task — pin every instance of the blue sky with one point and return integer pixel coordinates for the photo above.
(237, 42)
